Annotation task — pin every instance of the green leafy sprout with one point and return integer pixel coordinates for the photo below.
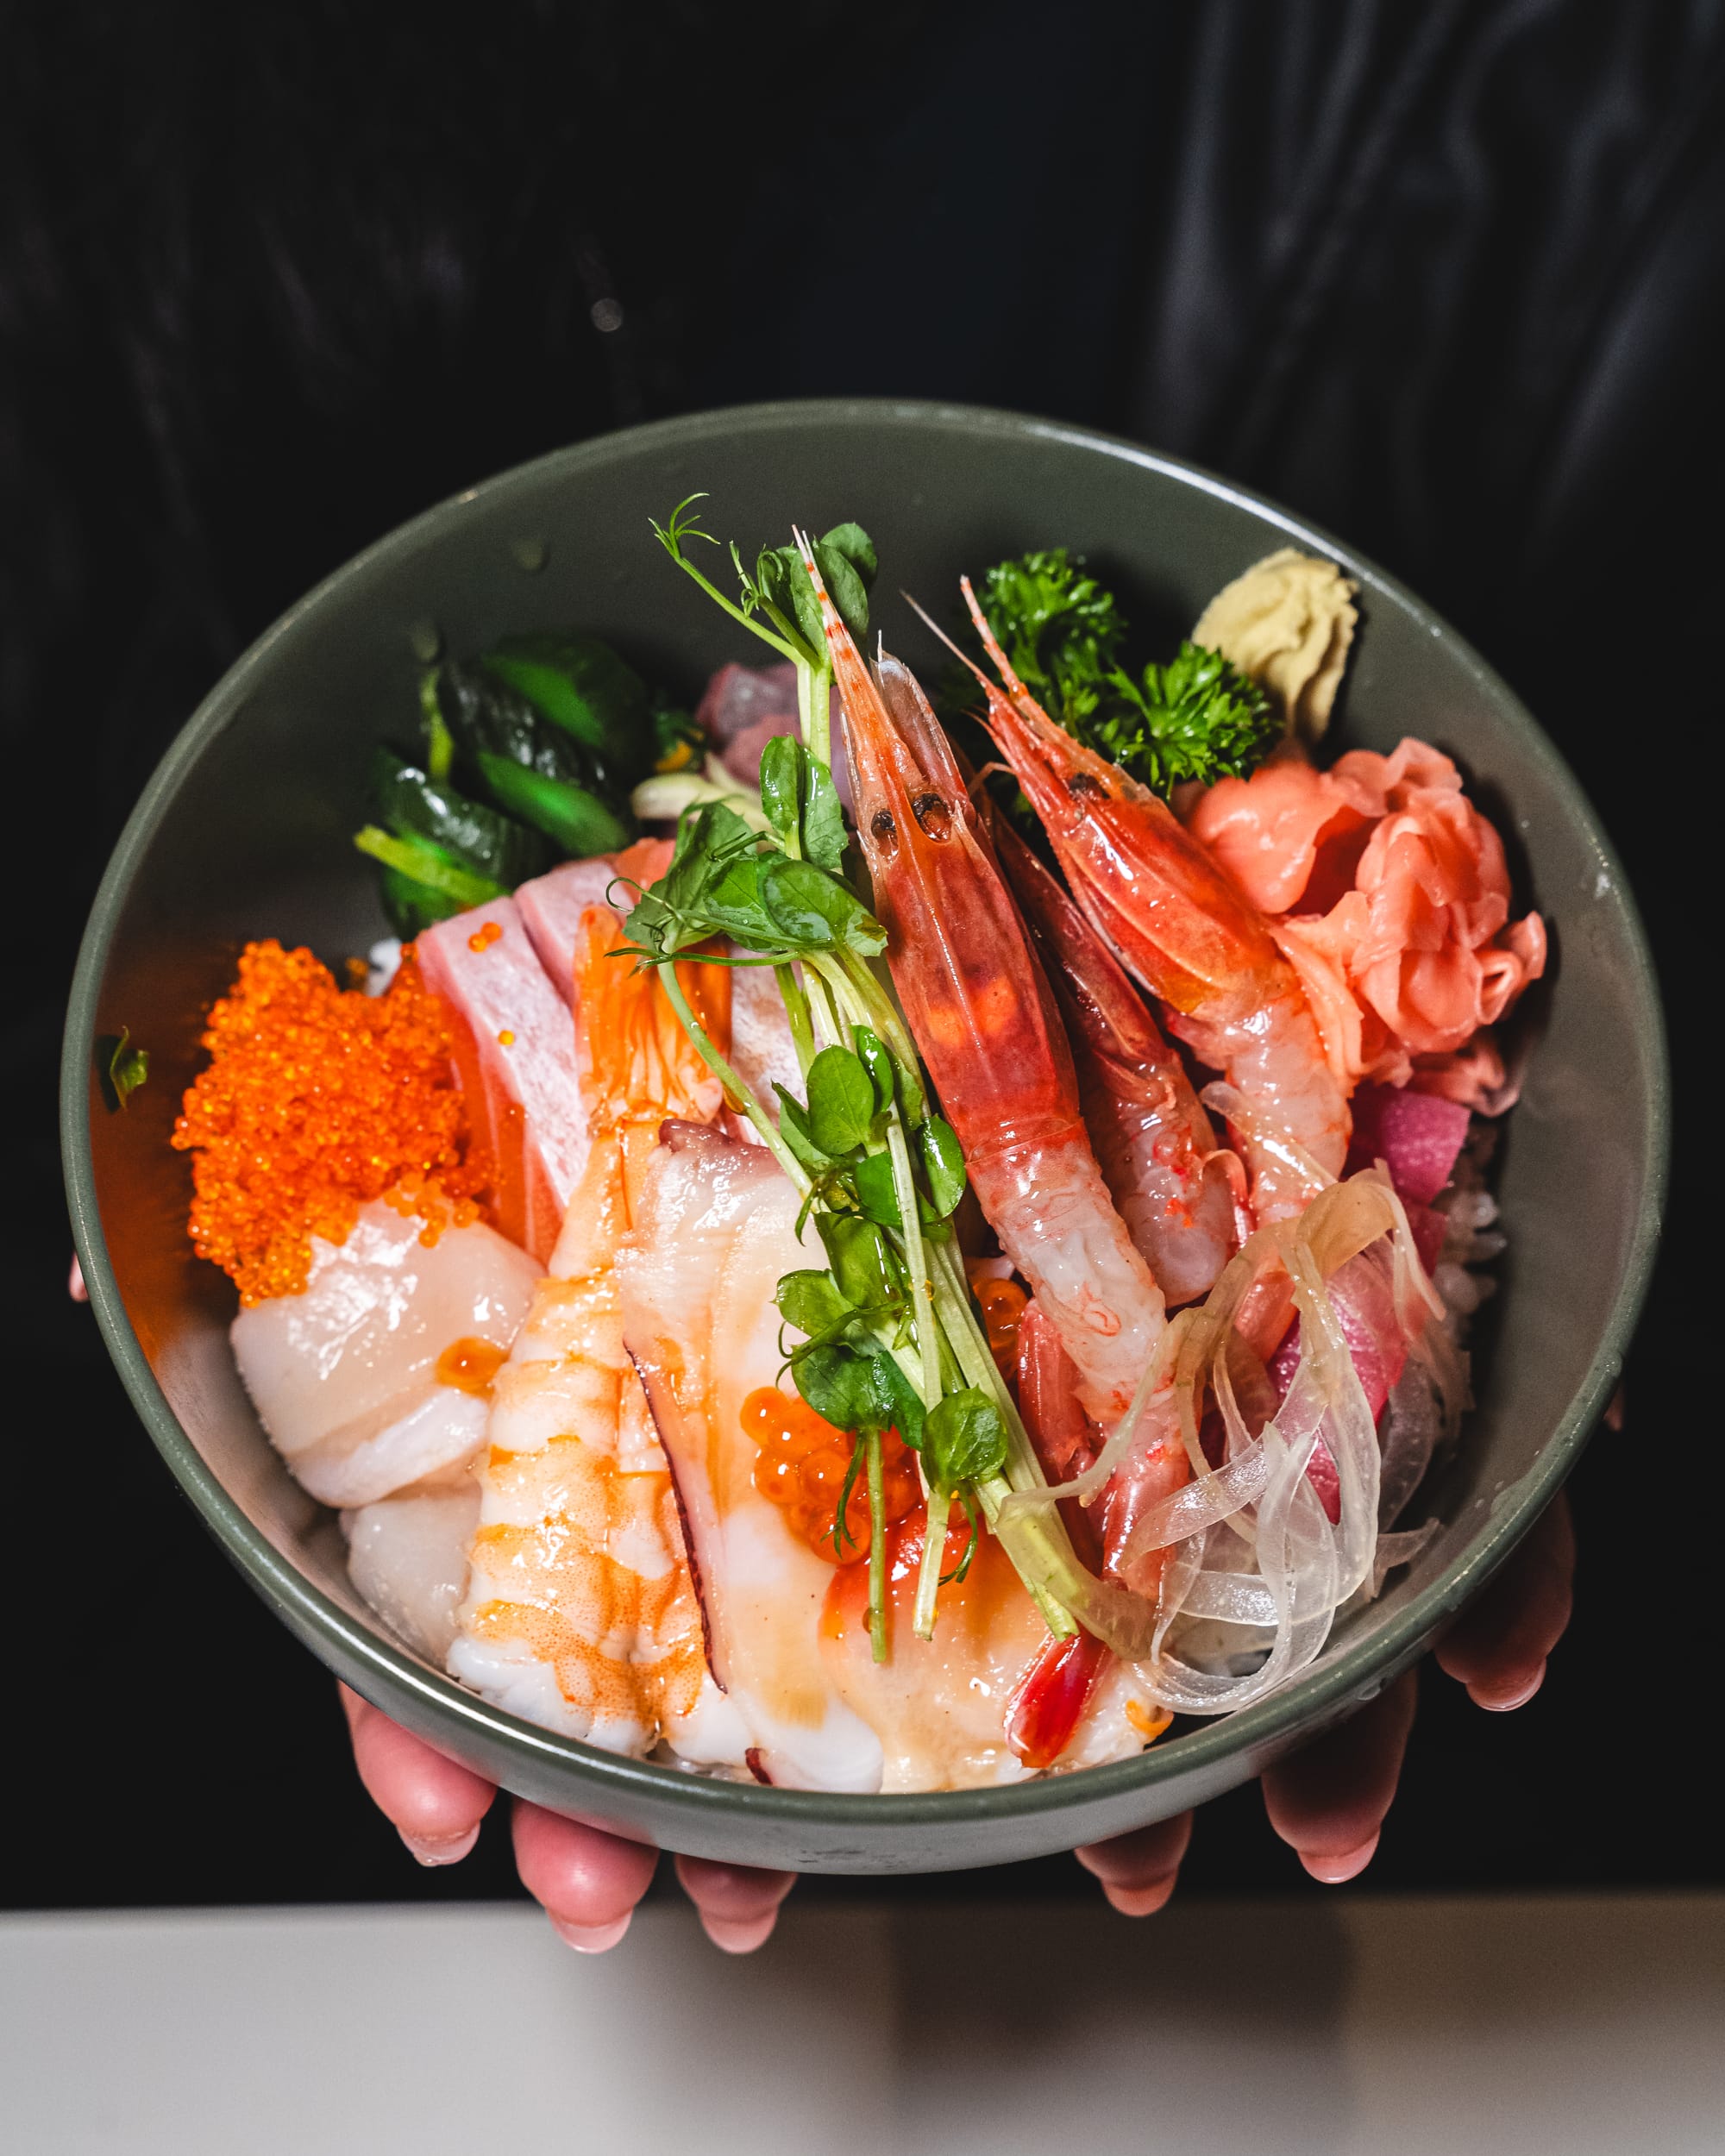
(1198, 717)
(127, 1066)
(891, 1336)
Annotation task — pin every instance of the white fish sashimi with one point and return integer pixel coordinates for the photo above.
(344, 1376)
(714, 1231)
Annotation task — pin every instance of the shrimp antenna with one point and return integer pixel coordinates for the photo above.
(928, 623)
(1003, 666)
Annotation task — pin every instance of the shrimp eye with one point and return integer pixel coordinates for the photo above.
(1081, 783)
(885, 832)
(933, 814)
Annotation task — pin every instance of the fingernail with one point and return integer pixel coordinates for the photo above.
(1519, 1699)
(1141, 1901)
(1332, 1871)
(740, 1935)
(590, 1938)
(432, 1850)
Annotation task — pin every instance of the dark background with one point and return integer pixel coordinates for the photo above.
(1446, 277)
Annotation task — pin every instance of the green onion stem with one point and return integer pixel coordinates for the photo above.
(916, 1257)
(814, 712)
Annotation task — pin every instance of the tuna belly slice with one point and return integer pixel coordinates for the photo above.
(551, 905)
(515, 1052)
(714, 1231)
(344, 1376)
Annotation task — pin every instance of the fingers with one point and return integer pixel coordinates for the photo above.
(1138, 1872)
(587, 1881)
(1498, 1645)
(1328, 1802)
(738, 1906)
(435, 1805)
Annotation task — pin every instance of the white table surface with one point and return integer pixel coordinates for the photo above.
(1345, 2024)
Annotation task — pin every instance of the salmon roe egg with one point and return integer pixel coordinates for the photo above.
(801, 1469)
(1002, 1304)
(316, 1101)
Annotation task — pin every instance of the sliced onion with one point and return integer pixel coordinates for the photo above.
(1250, 1547)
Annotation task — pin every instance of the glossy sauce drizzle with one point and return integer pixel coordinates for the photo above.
(470, 1365)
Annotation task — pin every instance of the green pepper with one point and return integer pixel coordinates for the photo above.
(413, 805)
(411, 908)
(581, 821)
(580, 685)
(530, 768)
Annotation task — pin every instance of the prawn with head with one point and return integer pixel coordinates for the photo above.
(1189, 937)
(986, 1025)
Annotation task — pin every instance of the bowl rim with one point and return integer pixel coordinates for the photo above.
(1353, 1674)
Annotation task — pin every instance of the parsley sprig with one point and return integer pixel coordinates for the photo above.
(1197, 717)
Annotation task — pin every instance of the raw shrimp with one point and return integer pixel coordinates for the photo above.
(1190, 936)
(951, 1712)
(1058, 1690)
(1152, 1138)
(715, 1229)
(580, 1613)
(985, 1020)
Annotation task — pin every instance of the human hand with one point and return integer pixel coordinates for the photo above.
(587, 1880)
(1329, 1802)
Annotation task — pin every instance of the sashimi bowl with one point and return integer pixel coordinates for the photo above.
(245, 831)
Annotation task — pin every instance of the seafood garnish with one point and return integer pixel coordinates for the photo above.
(579, 1611)
(1153, 1140)
(907, 1281)
(1185, 931)
(715, 1228)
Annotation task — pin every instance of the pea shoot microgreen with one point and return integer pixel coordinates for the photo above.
(890, 1339)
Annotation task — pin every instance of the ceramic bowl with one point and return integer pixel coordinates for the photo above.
(244, 831)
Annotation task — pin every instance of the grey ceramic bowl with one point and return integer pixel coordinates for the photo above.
(244, 829)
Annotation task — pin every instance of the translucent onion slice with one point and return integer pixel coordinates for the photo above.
(1249, 1544)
